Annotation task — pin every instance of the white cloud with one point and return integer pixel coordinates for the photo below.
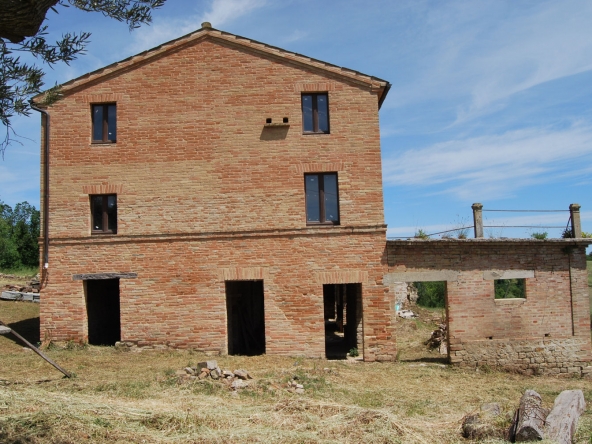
(224, 11)
(479, 54)
(494, 166)
(163, 30)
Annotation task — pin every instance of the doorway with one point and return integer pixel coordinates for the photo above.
(246, 318)
(102, 309)
(342, 307)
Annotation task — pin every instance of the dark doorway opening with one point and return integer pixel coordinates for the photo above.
(102, 308)
(246, 318)
(342, 305)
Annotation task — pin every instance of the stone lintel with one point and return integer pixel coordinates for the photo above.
(420, 276)
(491, 275)
(96, 276)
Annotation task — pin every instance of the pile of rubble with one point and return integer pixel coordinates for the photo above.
(29, 292)
(209, 370)
(235, 380)
(438, 339)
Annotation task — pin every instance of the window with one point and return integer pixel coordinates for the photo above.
(315, 113)
(104, 123)
(104, 213)
(322, 198)
(510, 288)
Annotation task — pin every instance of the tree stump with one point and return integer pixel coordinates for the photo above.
(530, 420)
(561, 423)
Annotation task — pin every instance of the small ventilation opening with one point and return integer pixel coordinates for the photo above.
(285, 120)
(268, 120)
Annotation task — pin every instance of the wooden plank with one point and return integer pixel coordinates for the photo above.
(36, 350)
(562, 422)
(531, 417)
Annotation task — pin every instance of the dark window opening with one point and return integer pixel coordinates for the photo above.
(315, 113)
(104, 123)
(342, 305)
(103, 313)
(322, 198)
(104, 213)
(246, 318)
(510, 288)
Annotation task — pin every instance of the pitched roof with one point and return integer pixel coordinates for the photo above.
(207, 32)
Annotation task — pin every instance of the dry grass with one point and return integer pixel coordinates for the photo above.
(123, 397)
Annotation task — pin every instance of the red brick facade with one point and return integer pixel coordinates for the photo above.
(207, 193)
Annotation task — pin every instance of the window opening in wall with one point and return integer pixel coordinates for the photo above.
(315, 113)
(322, 198)
(246, 317)
(104, 123)
(103, 313)
(510, 288)
(342, 307)
(103, 209)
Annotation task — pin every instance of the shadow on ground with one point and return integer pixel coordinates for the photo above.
(27, 328)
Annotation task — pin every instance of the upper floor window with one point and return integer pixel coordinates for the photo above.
(315, 113)
(103, 209)
(322, 198)
(104, 123)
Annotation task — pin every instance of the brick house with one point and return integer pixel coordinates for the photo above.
(219, 194)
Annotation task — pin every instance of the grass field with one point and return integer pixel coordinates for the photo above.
(123, 397)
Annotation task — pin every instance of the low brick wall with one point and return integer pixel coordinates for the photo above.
(546, 332)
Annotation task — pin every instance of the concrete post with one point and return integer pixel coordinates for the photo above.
(478, 219)
(576, 225)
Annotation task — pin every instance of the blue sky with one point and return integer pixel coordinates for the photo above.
(491, 101)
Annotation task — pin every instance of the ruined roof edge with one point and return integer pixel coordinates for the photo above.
(417, 241)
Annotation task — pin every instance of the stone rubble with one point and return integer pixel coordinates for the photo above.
(406, 314)
(438, 339)
(235, 380)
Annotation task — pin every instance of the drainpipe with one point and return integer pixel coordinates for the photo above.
(45, 187)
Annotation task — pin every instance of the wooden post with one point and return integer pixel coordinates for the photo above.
(36, 350)
(576, 225)
(478, 219)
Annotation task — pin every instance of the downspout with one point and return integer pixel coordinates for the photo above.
(45, 187)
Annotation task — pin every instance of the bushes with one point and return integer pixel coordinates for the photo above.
(19, 231)
(431, 294)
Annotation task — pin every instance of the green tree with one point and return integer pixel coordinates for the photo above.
(9, 257)
(19, 233)
(22, 31)
(431, 294)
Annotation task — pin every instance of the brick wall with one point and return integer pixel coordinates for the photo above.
(206, 194)
(192, 152)
(547, 332)
(178, 297)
